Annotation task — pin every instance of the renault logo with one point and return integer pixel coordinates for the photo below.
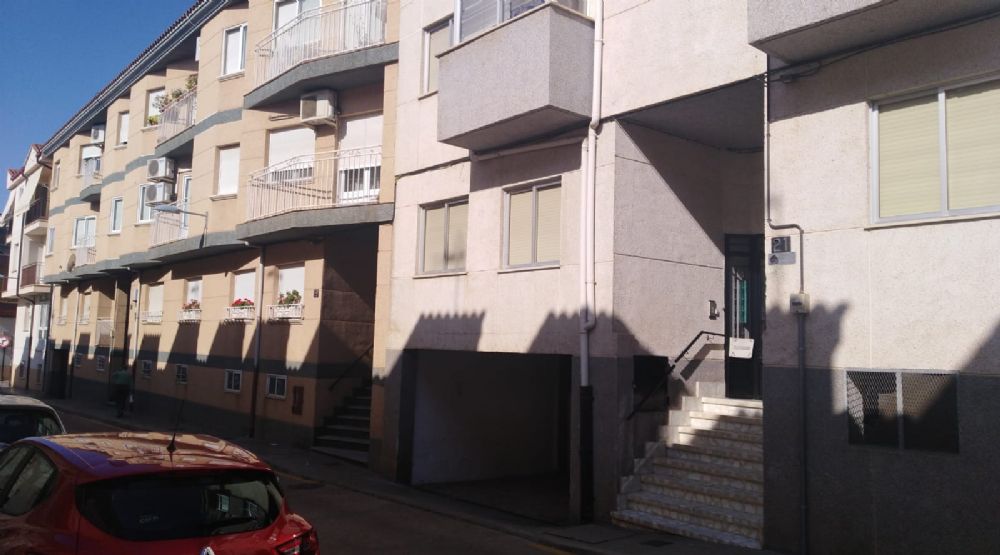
(207, 551)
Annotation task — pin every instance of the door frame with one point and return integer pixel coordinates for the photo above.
(755, 300)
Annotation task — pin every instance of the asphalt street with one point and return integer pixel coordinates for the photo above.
(352, 522)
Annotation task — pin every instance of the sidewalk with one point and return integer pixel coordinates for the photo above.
(597, 539)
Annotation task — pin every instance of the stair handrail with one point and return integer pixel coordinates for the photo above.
(670, 368)
(351, 367)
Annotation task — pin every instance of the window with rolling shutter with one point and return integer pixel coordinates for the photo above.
(443, 243)
(229, 171)
(476, 16)
(936, 154)
(533, 226)
(437, 39)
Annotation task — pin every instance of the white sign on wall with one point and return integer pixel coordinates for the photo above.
(740, 347)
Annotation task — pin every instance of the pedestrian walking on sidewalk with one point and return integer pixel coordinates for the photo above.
(121, 386)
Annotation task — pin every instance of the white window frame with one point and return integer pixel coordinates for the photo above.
(274, 13)
(275, 379)
(218, 170)
(181, 374)
(150, 107)
(944, 212)
(226, 381)
(242, 28)
(76, 238)
(117, 207)
(50, 240)
(142, 205)
(56, 172)
(102, 363)
(146, 369)
(422, 240)
(123, 115)
(425, 69)
(534, 188)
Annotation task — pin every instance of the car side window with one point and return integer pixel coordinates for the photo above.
(10, 461)
(48, 426)
(30, 486)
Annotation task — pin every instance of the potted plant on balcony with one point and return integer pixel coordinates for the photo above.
(242, 302)
(193, 304)
(289, 306)
(290, 297)
(191, 311)
(153, 120)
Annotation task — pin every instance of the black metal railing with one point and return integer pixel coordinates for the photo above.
(38, 210)
(29, 274)
(668, 370)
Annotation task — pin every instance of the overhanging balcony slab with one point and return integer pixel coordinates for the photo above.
(91, 193)
(340, 71)
(312, 222)
(526, 78)
(796, 31)
(182, 144)
(197, 246)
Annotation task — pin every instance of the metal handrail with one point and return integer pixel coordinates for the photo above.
(351, 366)
(178, 116)
(168, 226)
(670, 368)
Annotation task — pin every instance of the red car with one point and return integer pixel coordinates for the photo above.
(126, 493)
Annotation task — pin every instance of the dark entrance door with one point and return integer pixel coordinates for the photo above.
(744, 313)
(58, 367)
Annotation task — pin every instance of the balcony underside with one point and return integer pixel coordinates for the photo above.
(312, 222)
(37, 228)
(182, 144)
(796, 31)
(340, 71)
(91, 193)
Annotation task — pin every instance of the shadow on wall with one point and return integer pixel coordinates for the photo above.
(898, 462)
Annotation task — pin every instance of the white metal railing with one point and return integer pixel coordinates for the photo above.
(151, 316)
(241, 313)
(178, 116)
(318, 33)
(189, 315)
(91, 171)
(327, 179)
(168, 226)
(86, 253)
(284, 311)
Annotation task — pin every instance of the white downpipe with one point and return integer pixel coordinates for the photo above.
(588, 318)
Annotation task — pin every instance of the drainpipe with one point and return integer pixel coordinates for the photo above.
(138, 322)
(76, 344)
(46, 361)
(800, 321)
(588, 318)
(256, 342)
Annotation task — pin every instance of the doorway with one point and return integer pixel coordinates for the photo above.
(744, 315)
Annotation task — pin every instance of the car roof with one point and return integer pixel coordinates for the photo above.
(21, 401)
(117, 454)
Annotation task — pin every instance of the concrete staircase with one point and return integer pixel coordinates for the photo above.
(346, 433)
(705, 478)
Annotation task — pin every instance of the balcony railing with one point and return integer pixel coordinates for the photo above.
(241, 313)
(39, 208)
(86, 253)
(151, 316)
(328, 179)
(178, 116)
(284, 311)
(30, 274)
(318, 33)
(168, 226)
(91, 171)
(187, 315)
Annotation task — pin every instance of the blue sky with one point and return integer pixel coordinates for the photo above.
(55, 55)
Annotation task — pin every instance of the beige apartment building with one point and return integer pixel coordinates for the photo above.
(722, 269)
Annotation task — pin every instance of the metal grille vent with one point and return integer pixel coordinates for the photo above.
(906, 410)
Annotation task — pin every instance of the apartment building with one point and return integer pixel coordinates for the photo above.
(217, 214)
(25, 221)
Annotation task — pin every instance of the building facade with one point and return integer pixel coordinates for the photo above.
(702, 269)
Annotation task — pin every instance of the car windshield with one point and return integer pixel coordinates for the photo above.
(18, 423)
(174, 506)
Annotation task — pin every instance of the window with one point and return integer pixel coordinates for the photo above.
(181, 373)
(935, 155)
(437, 39)
(286, 144)
(90, 159)
(228, 171)
(904, 410)
(50, 240)
(532, 231)
(478, 15)
(154, 303)
(153, 100)
(117, 204)
(123, 128)
(285, 11)
(63, 307)
(146, 367)
(10, 461)
(234, 381)
(192, 290)
(85, 309)
(244, 285)
(233, 51)
(145, 213)
(85, 232)
(276, 385)
(56, 171)
(292, 278)
(30, 486)
(102, 363)
(444, 237)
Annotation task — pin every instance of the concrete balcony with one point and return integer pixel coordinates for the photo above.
(168, 227)
(337, 46)
(36, 219)
(189, 315)
(175, 132)
(241, 313)
(92, 179)
(796, 31)
(533, 78)
(312, 193)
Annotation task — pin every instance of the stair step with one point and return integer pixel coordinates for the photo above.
(358, 419)
(348, 454)
(745, 437)
(725, 454)
(745, 403)
(671, 526)
(699, 514)
(718, 441)
(343, 442)
(705, 493)
(344, 430)
(715, 421)
(734, 407)
(740, 478)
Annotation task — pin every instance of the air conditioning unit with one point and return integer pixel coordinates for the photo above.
(97, 134)
(160, 169)
(319, 108)
(159, 193)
